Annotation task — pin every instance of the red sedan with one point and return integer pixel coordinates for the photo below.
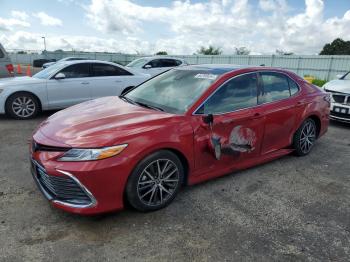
(183, 127)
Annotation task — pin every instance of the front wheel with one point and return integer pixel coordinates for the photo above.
(305, 137)
(155, 181)
(22, 106)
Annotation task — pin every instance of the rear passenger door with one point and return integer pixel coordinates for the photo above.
(278, 109)
(109, 80)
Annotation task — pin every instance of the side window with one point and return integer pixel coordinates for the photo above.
(107, 70)
(275, 87)
(77, 70)
(293, 87)
(238, 93)
(155, 63)
(2, 55)
(178, 62)
(168, 62)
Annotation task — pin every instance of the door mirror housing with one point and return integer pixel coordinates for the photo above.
(147, 66)
(208, 119)
(60, 76)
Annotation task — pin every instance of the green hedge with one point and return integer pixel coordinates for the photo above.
(319, 82)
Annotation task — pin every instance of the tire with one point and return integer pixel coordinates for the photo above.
(146, 190)
(22, 106)
(305, 137)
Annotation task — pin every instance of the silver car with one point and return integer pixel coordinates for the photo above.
(339, 89)
(6, 67)
(155, 65)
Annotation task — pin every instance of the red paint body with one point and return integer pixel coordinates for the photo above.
(111, 121)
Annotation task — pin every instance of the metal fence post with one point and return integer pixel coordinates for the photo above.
(330, 69)
(298, 66)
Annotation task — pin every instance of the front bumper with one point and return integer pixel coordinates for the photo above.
(99, 184)
(340, 112)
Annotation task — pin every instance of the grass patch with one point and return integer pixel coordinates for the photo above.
(318, 82)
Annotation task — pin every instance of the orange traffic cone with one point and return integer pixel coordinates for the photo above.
(28, 71)
(19, 69)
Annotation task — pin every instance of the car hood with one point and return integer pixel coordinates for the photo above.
(338, 85)
(22, 80)
(98, 123)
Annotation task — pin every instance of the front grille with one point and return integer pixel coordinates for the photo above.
(40, 147)
(337, 114)
(64, 189)
(339, 98)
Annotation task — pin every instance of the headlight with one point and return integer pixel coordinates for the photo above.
(92, 154)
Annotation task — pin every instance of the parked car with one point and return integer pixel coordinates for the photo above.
(6, 67)
(339, 90)
(40, 62)
(183, 127)
(63, 85)
(156, 64)
(45, 65)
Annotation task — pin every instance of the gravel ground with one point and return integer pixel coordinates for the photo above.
(291, 209)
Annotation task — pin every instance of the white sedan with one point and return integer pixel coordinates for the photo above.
(339, 90)
(155, 65)
(64, 84)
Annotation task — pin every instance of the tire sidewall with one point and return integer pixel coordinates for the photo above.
(11, 113)
(131, 187)
(297, 137)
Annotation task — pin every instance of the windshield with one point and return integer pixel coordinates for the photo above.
(138, 62)
(47, 72)
(174, 91)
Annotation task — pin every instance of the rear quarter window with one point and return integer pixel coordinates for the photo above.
(2, 55)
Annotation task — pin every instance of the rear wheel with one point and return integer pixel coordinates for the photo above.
(305, 137)
(155, 181)
(22, 106)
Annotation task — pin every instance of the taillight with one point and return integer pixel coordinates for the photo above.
(10, 68)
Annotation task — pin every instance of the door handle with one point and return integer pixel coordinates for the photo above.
(256, 115)
(85, 83)
(118, 81)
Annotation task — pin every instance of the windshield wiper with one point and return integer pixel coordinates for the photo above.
(149, 106)
(127, 100)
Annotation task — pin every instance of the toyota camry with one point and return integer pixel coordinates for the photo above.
(185, 126)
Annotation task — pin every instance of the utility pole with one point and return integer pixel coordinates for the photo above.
(43, 37)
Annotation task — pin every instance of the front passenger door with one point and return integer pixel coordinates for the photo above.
(73, 89)
(238, 125)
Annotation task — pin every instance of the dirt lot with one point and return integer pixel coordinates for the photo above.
(291, 209)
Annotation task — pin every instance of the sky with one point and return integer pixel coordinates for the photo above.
(177, 27)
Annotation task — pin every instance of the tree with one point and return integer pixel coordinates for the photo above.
(162, 53)
(211, 50)
(282, 52)
(337, 47)
(242, 51)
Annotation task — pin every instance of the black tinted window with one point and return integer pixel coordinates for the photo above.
(178, 62)
(168, 62)
(1, 54)
(240, 92)
(293, 87)
(108, 70)
(275, 87)
(155, 63)
(77, 70)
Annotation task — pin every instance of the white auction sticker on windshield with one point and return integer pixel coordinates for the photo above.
(206, 76)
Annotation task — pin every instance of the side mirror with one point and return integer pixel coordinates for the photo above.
(147, 66)
(339, 76)
(60, 76)
(208, 119)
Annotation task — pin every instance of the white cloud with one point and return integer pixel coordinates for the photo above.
(187, 25)
(17, 19)
(22, 15)
(48, 20)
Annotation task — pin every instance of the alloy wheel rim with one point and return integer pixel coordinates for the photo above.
(158, 182)
(308, 136)
(23, 106)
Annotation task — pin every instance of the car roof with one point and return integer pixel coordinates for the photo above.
(160, 57)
